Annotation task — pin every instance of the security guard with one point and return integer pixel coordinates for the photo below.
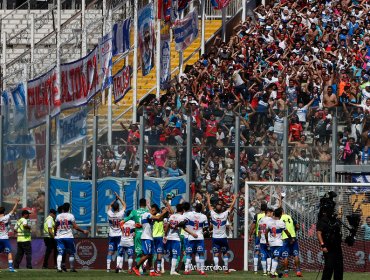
(23, 229)
(50, 244)
(290, 245)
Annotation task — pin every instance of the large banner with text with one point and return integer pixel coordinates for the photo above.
(79, 194)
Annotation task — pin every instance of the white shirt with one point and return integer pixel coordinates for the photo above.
(262, 228)
(114, 218)
(127, 231)
(196, 223)
(64, 223)
(276, 228)
(278, 124)
(147, 223)
(4, 226)
(219, 221)
(302, 113)
(174, 231)
(186, 217)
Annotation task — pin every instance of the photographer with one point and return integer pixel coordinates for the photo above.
(330, 237)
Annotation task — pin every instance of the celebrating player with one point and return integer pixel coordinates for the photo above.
(65, 242)
(136, 216)
(253, 231)
(126, 245)
(4, 235)
(147, 220)
(219, 237)
(265, 252)
(290, 247)
(196, 222)
(172, 236)
(184, 234)
(114, 217)
(274, 238)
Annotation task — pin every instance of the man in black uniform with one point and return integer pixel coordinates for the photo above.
(330, 237)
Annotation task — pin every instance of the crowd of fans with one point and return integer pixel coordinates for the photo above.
(308, 61)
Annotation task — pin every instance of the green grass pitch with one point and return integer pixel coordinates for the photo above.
(103, 275)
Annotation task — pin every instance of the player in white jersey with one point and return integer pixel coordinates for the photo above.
(126, 244)
(274, 239)
(115, 216)
(196, 222)
(147, 220)
(64, 224)
(4, 235)
(172, 236)
(264, 249)
(219, 236)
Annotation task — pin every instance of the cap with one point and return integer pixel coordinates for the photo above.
(168, 108)
(24, 212)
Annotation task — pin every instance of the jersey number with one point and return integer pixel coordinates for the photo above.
(273, 230)
(196, 225)
(115, 223)
(2, 226)
(219, 223)
(126, 231)
(63, 224)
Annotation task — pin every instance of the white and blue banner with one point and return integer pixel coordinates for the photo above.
(73, 127)
(186, 31)
(121, 37)
(165, 61)
(79, 194)
(360, 179)
(106, 64)
(19, 142)
(146, 38)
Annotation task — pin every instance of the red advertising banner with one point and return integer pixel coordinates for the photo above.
(91, 254)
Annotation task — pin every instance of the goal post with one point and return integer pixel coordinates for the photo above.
(301, 201)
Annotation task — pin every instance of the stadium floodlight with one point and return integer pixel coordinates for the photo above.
(303, 199)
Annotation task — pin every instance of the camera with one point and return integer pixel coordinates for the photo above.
(327, 206)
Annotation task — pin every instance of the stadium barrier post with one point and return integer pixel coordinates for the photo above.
(24, 179)
(158, 53)
(32, 43)
(334, 149)
(58, 35)
(181, 53)
(1, 156)
(244, 10)
(94, 176)
(246, 226)
(189, 158)
(141, 193)
(127, 14)
(223, 24)
(4, 4)
(4, 37)
(203, 11)
(110, 112)
(135, 58)
(83, 53)
(236, 173)
(285, 150)
(47, 163)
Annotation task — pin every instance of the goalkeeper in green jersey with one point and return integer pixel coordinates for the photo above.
(135, 215)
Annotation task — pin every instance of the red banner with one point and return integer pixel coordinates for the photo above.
(121, 83)
(92, 253)
(42, 97)
(80, 81)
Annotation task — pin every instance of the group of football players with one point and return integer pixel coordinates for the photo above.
(149, 233)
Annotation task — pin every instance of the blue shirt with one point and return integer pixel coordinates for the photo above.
(366, 229)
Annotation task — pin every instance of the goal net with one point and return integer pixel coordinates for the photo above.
(301, 201)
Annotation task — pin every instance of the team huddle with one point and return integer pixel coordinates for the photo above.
(275, 238)
(150, 233)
